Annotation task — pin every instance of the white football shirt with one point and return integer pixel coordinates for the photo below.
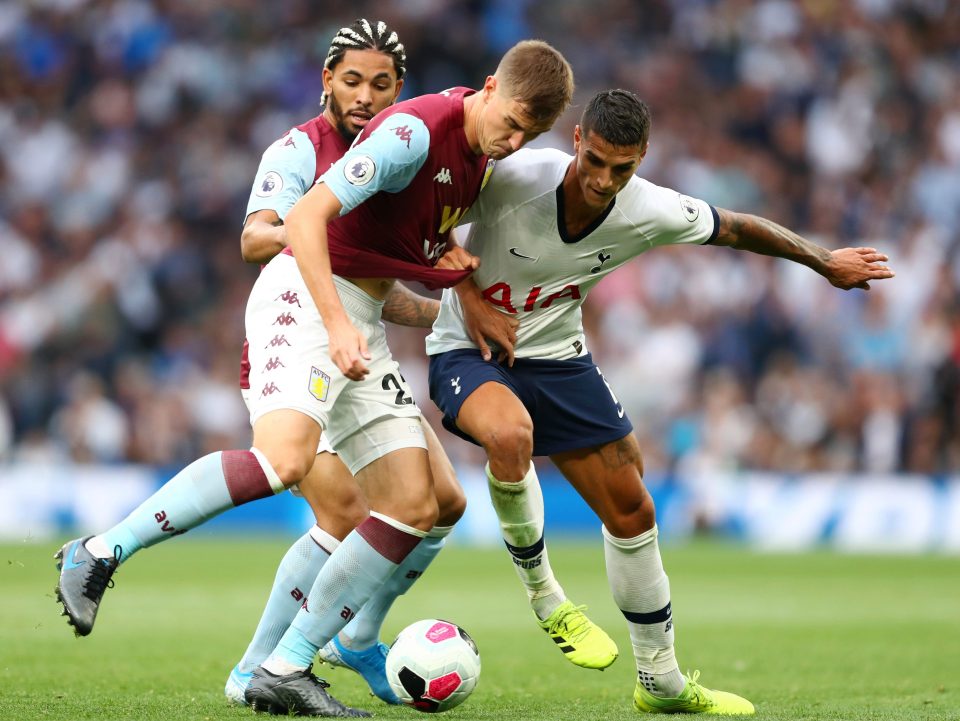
(530, 269)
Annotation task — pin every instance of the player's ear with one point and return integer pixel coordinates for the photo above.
(399, 88)
(327, 80)
(576, 138)
(489, 87)
(643, 153)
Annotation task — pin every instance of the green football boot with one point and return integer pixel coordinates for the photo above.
(583, 642)
(693, 699)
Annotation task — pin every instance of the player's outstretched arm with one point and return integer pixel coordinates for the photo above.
(845, 268)
(263, 237)
(404, 307)
(306, 225)
(484, 322)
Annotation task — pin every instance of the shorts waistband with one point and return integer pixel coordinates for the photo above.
(357, 303)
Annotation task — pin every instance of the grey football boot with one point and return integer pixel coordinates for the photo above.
(83, 580)
(299, 693)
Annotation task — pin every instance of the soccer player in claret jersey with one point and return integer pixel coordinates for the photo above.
(363, 74)
(382, 212)
(546, 229)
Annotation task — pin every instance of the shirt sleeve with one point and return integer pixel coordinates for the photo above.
(679, 218)
(286, 171)
(387, 160)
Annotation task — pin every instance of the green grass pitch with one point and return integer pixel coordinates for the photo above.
(812, 636)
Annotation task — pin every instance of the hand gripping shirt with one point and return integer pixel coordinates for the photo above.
(532, 270)
(408, 179)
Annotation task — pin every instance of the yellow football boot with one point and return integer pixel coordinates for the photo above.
(693, 699)
(583, 642)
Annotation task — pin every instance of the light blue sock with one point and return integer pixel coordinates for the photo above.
(202, 490)
(364, 630)
(295, 576)
(366, 558)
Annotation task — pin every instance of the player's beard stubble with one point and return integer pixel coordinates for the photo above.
(341, 119)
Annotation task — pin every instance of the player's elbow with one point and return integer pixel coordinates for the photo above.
(248, 247)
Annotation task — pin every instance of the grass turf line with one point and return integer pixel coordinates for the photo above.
(809, 636)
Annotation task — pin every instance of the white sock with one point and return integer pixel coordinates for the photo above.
(641, 590)
(519, 507)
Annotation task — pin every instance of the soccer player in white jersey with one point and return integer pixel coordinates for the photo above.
(547, 228)
(363, 74)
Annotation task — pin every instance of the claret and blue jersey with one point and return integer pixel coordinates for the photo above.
(409, 178)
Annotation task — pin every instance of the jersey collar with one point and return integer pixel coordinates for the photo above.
(562, 226)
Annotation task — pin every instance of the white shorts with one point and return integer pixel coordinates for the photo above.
(290, 367)
(322, 447)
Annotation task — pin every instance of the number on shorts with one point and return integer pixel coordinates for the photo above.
(390, 382)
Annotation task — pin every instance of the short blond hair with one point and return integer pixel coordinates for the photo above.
(538, 77)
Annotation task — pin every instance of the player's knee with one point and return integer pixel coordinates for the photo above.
(631, 516)
(353, 510)
(451, 505)
(291, 467)
(509, 445)
(424, 515)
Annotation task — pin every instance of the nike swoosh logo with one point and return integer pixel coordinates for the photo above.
(518, 254)
(71, 560)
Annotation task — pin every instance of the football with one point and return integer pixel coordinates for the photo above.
(433, 665)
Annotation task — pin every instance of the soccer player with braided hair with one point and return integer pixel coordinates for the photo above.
(383, 212)
(363, 74)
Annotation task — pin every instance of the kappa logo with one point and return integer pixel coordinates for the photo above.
(359, 170)
(603, 258)
(404, 133)
(271, 184)
(289, 296)
(285, 319)
(273, 364)
(276, 341)
(269, 389)
(455, 384)
(443, 176)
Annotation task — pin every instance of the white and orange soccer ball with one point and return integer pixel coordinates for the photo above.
(433, 665)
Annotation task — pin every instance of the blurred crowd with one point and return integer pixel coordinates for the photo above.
(130, 131)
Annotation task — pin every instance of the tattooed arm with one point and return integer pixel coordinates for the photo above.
(404, 307)
(845, 268)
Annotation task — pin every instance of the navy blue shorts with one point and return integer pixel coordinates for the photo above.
(571, 405)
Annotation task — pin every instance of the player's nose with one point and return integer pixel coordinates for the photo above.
(364, 95)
